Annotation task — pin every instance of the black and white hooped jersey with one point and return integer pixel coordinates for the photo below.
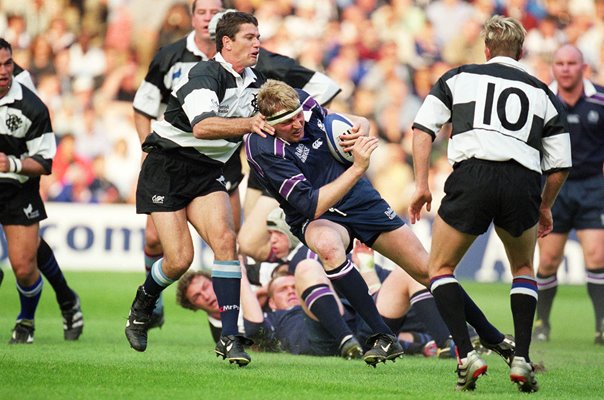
(25, 130)
(586, 124)
(293, 173)
(498, 112)
(212, 89)
(170, 64)
(173, 62)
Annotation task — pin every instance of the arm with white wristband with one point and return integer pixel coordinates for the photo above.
(27, 166)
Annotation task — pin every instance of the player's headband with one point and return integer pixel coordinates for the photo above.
(283, 116)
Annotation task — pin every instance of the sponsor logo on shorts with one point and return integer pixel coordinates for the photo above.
(157, 199)
(318, 143)
(302, 152)
(30, 213)
(222, 180)
(390, 213)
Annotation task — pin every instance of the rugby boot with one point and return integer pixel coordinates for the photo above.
(384, 347)
(231, 348)
(139, 319)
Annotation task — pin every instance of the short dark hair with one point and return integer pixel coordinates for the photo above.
(183, 285)
(229, 26)
(6, 45)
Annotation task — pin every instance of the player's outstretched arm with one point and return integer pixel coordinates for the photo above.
(422, 146)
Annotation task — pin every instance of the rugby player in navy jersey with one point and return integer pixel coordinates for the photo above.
(507, 131)
(580, 203)
(327, 205)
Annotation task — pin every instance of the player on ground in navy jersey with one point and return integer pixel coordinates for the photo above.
(580, 204)
(506, 132)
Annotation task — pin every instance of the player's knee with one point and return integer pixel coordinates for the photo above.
(24, 271)
(308, 268)
(329, 248)
(548, 264)
(178, 262)
(223, 244)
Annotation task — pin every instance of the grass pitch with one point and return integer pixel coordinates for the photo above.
(180, 363)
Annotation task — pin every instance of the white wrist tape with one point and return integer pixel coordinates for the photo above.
(14, 164)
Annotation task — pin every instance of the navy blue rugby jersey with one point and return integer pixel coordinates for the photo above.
(293, 173)
(586, 124)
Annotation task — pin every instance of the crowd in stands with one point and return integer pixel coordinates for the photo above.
(87, 58)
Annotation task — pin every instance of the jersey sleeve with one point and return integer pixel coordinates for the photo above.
(40, 139)
(263, 334)
(199, 98)
(436, 108)
(152, 95)
(555, 142)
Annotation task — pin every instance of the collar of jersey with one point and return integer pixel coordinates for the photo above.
(507, 61)
(14, 93)
(192, 47)
(248, 74)
(588, 88)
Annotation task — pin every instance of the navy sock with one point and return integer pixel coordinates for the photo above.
(226, 279)
(157, 280)
(29, 298)
(49, 267)
(321, 302)
(394, 323)
(427, 311)
(476, 318)
(548, 287)
(449, 297)
(523, 300)
(348, 281)
(595, 288)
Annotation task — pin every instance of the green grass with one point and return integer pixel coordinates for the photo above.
(180, 363)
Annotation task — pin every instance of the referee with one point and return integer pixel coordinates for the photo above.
(506, 132)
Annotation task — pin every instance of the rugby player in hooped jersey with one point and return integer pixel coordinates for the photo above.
(181, 178)
(327, 204)
(507, 130)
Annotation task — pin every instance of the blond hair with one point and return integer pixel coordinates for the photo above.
(275, 96)
(504, 36)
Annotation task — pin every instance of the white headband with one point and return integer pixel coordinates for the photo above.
(282, 116)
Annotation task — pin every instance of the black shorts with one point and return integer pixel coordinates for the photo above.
(254, 183)
(479, 192)
(168, 182)
(21, 205)
(580, 205)
(232, 172)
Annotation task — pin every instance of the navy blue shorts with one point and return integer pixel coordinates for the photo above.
(169, 182)
(580, 205)
(21, 205)
(479, 192)
(365, 222)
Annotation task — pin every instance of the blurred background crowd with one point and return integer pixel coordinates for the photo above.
(87, 58)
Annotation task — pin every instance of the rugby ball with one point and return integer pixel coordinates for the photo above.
(336, 125)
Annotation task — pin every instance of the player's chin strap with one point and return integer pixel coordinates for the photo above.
(282, 116)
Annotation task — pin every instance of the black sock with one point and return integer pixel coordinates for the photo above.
(49, 267)
(595, 288)
(348, 281)
(523, 301)
(427, 311)
(548, 287)
(476, 318)
(321, 302)
(394, 323)
(449, 297)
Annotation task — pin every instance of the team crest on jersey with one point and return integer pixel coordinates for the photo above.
(317, 143)
(254, 102)
(13, 122)
(593, 117)
(390, 213)
(302, 152)
(320, 125)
